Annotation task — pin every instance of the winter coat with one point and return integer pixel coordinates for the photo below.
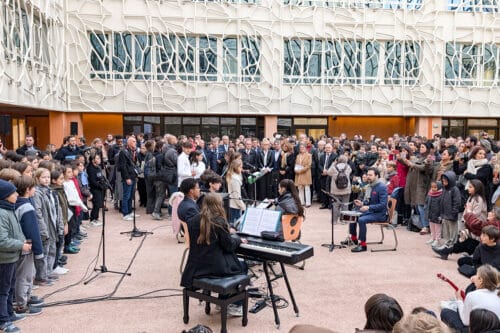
(475, 225)
(333, 172)
(11, 234)
(432, 206)
(303, 176)
(46, 213)
(485, 175)
(417, 181)
(25, 214)
(440, 169)
(477, 207)
(451, 199)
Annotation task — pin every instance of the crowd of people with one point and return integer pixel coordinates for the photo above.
(449, 185)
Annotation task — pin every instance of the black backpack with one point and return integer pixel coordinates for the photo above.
(342, 181)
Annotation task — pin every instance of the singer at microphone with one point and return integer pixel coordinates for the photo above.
(234, 182)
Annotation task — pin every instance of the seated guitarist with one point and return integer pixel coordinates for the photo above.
(373, 208)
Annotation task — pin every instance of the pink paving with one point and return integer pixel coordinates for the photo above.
(330, 292)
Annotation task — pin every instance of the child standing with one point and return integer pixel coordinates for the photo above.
(46, 213)
(12, 242)
(57, 186)
(450, 207)
(234, 183)
(25, 270)
(432, 211)
(76, 206)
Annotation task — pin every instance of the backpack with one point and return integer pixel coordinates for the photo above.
(150, 167)
(342, 181)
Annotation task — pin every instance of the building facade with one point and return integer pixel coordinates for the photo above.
(251, 66)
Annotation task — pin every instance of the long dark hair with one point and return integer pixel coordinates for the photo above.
(211, 209)
(290, 187)
(478, 189)
(382, 312)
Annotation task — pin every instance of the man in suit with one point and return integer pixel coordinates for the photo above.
(276, 153)
(188, 208)
(265, 164)
(325, 161)
(374, 208)
(250, 164)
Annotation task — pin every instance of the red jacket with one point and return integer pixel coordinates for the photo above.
(475, 225)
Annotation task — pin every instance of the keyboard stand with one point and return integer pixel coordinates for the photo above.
(265, 264)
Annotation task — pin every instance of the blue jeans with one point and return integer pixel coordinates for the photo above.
(7, 285)
(234, 214)
(127, 197)
(421, 213)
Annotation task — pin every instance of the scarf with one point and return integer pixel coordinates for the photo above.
(369, 188)
(474, 165)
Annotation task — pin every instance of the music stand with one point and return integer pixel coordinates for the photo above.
(331, 246)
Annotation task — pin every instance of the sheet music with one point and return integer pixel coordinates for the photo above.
(257, 220)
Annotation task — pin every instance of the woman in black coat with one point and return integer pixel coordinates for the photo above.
(479, 168)
(97, 184)
(211, 244)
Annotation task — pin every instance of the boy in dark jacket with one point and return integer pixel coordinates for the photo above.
(25, 270)
(432, 211)
(12, 242)
(488, 252)
(450, 206)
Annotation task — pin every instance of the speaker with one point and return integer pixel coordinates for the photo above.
(73, 128)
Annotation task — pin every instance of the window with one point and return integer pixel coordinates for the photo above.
(402, 62)
(383, 4)
(472, 64)
(486, 6)
(250, 59)
(99, 58)
(208, 59)
(122, 55)
(331, 62)
(142, 56)
(186, 50)
(166, 57)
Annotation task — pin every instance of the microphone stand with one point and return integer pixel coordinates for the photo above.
(135, 232)
(104, 269)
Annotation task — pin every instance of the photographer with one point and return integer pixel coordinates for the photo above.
(98, 185)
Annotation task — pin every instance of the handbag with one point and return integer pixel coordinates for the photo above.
(415, 224)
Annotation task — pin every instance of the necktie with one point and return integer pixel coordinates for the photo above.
(326, 160)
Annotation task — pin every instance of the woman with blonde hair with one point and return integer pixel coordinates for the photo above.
(421, 322)
(234, 182)
(303, 176)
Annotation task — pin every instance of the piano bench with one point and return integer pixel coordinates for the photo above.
(231, 288)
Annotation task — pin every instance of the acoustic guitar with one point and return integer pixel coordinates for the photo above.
(453, 285)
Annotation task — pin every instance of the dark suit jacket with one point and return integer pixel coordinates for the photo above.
(217, 259)
(268, 163)
(250, 161)
(321, 164)
(187, 210)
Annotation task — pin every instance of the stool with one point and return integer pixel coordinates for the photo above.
(232, 287)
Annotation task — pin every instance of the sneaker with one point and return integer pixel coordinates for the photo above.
(36, 301)
(348, 242)
(430, 241)
(235, 310)
(9, 327)
(95, 223)
(53, 277)
(28, 310)
(60, 270)
(128, 217)
(156, 216)
(424, 231)
(43, 283)
(17, 317)
(34, 287)
(435, 243)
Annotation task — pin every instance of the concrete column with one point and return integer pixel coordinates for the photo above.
(270, 125)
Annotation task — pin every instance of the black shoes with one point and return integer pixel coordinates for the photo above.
(443, 252)
(359, 248)
(348, 242)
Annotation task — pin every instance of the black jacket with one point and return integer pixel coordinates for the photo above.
(96, 177)
(484, 254)
(126, 164)
(67, 153)
(217, 259)
(451, 199)
(250, 160)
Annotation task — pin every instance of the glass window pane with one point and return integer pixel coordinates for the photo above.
(191, 120)
(412, 62)
(99, 59)
(333, 56)
(227, 121)
(312, 61)
(172, 120)
(392, 62)
(142, 44)
(165, 56)
(372, 50)
(451, 64)
(247, 121)
(122, 55)
(208, 59)
(468, 72)
(186, 51)
(250, 58)
(352, 61)
(490, 63)
(230, 60)
(210, 120)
